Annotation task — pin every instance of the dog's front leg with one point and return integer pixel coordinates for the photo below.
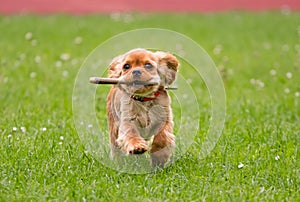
(129, 139)
(162, 146)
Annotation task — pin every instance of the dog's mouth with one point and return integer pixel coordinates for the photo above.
(139, 83)
(138, 87)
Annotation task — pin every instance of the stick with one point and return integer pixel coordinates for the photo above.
(99, 80)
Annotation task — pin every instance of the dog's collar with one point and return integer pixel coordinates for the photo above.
(145, 99)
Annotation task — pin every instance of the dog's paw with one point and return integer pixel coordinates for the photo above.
(133, 145)
(136, 146)
(159, 158)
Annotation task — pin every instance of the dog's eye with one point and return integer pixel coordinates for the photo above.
(148, 66)
(126, 66)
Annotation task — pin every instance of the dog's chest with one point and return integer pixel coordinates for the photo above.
(147, 117)
(140, 115)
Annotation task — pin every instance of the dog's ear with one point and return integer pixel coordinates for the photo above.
(167, 67)
(114, 70)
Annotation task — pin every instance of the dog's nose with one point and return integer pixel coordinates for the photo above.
(136, 73)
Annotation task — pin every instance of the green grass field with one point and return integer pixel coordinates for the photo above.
(256, 158)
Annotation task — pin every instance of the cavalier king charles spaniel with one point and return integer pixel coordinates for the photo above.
(139, 108)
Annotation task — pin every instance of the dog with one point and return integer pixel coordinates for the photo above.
(139, 113)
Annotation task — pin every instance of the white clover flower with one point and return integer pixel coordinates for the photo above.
(285, 47)
(289, 75)
(14, 129)
(61, 137)
(241, 165)
(287, 90)
(37, 59)
(58, 63)
(34, 42)
(60, 143)
(23, 129)
(9, 136)
(32, 75)
(253, 81)
(273, 72)
(277, 158)
(78, 40)
(90, 126)
(65, 56)
(65, 73)
(218, 49)
(44, 129)
(22, 56)
(28, 36)
(189, 81)
(261, 190)
(260, 84)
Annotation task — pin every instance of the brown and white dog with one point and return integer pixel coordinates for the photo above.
(138, 112)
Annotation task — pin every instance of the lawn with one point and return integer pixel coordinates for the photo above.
(255, 159)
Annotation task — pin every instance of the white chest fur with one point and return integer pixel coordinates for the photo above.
(146, 117)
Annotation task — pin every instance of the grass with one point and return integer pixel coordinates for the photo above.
(256, 158)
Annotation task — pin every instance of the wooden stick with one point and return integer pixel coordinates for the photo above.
(99, 80)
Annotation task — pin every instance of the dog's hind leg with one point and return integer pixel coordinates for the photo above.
(162, 145)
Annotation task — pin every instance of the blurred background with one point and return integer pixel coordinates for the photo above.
(255, 45)
(96, 6)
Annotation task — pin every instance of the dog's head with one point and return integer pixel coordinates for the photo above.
(141, 66)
